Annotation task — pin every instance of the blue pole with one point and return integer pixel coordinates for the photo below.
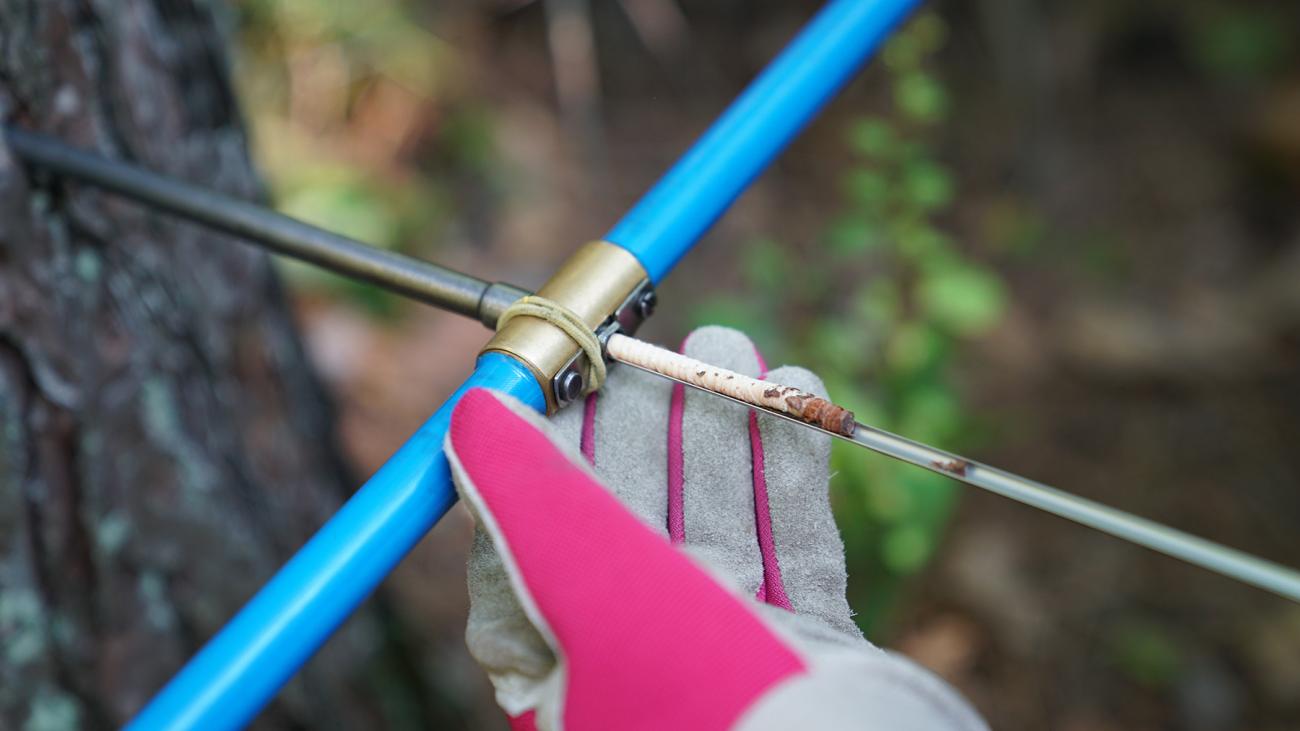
(669, 219)
(239, 670)
(242, 667)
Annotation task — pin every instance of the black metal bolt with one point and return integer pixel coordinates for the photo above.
(569, 387)
(645, 305)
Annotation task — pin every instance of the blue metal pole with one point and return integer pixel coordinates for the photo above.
(669, 219)
(242, 667)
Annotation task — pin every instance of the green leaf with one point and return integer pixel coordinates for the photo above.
(886, 499)
(469, 135)
(848, 474)
(902, 52)
(878, 303)
(921, 98)
(346, 204)
(964, 299)
(1242, 43)
(1146, 652)
(868, 187)
(766, 265)
(924, 245)
(873, 137)
(833, 342)
(932, 497)
(853, 235)
(930, 32)
(369, 298)
(906, 549)
(853, 395)
(928, 185)
(930, 413)
(913, 347)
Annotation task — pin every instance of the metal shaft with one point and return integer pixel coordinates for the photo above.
(429, 283)
(1197, 551)
(1220, 559)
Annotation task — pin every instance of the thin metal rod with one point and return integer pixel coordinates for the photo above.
(1220, 559)
(1209, 555)
(420, 280)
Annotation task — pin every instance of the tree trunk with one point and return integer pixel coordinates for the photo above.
(165, 445)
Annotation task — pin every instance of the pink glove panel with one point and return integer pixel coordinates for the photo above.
(619, 605)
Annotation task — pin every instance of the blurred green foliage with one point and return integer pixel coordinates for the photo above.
(879, 310)
(353, 107)
(1147, 653)
(1241, 42)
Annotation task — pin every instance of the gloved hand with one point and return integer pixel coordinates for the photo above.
(700, 587)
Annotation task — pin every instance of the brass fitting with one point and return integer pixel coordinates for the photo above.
(594, 283)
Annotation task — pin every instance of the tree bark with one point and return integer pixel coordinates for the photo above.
(164, 445)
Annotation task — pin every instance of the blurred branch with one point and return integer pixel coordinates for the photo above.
(572, 43)
(660, 25)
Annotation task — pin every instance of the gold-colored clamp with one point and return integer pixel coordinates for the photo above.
(602, 284)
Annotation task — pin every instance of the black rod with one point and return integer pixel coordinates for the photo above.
(420, 280)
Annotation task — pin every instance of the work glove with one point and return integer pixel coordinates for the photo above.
(692, 579)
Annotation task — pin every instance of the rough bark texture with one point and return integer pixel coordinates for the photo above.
(164, 445)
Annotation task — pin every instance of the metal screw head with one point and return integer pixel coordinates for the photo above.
(569, 387)
(645, 306)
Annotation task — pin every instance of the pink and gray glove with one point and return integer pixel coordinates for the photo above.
(693, 580)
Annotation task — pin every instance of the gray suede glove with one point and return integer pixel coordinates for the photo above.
(744, 495)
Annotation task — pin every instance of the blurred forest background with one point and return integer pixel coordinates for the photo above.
(1063, 237)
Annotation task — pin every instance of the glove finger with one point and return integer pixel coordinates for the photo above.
(616, 599)
(628, 422)
(715, 483)
(498, 633)
(809, 551)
